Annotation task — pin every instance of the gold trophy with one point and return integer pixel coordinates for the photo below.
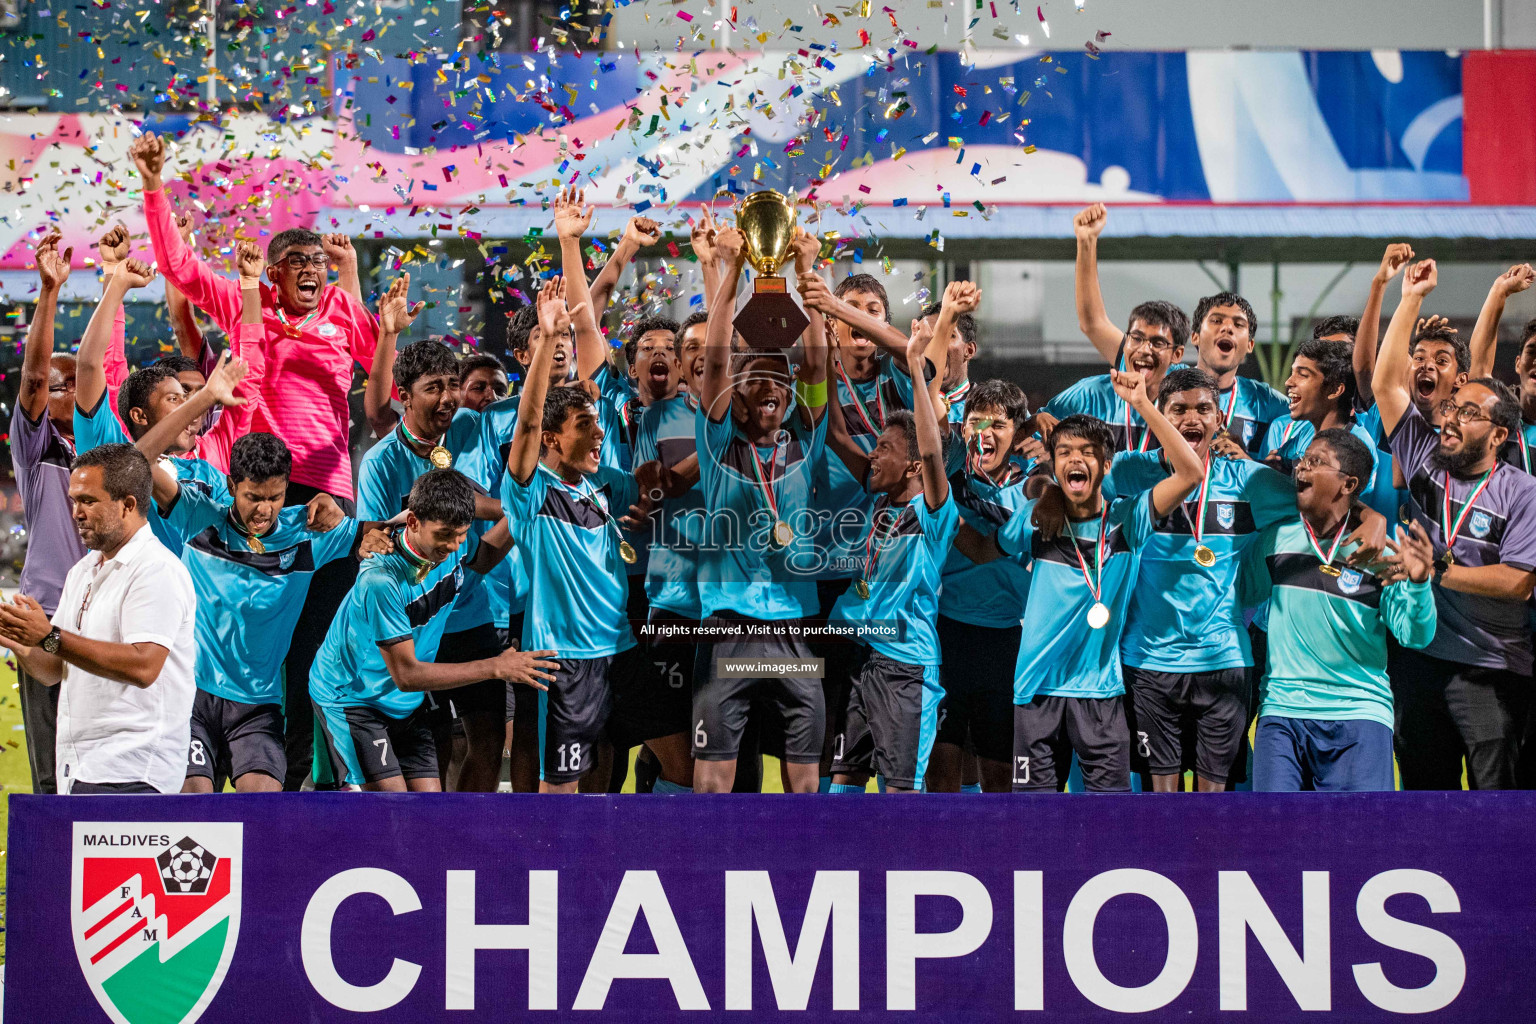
(770, 319)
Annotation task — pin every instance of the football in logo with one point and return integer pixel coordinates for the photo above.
(155, 912)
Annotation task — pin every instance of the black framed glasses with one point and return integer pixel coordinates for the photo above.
(1464, 413)
(298, 261)
(1156, 342)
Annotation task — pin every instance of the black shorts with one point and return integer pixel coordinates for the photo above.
(366, 745)
(573, 717)
(486, 697)
(979, 662)
(1175, 713)
(890, 722)
(791, 711)
(1049, 730)
(653, 690)
(1446, 714)
(110, 788)
(231, 739)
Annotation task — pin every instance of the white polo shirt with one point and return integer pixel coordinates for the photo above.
(115, 732)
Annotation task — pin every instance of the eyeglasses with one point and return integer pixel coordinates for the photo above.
(1157, 343)
(1464, 413)
(298, 261)
(61, 389)
(1315, 464)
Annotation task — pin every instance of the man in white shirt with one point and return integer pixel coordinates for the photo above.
(121, 641)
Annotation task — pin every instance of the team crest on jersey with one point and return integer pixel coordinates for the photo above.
(1480, 523)
(327, 330)
(155, 912)
(1226, 514)
(1349, 580)
(286, 558)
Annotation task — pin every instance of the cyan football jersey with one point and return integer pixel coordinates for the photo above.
(1520, 450)
(991, 594)
(248, 602)
(618, 412)
(740, 570)
(1291, 439)
(387, 605)
(569, 539)
(1095, 396)
(901, 568)
(1060, 654)
(1249, 407)
(506, 586)
(384, 481)
(672, 575)
(1185, 617)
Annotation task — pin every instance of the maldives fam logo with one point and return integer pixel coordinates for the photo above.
(155, 912)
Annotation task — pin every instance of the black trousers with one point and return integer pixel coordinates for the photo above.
(39, 719)
(326, 591)
(1446, 713)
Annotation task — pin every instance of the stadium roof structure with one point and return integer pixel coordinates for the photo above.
(1291, 233)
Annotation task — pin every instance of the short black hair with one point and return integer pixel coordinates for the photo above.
(965, 321)
(999, 394)
(288, 239)
(1335, 361)
(1158, 313)
(864, 283)
(178, 363)
(645, 325)
(479, 361)
(1210, 302)
(1451, 337)
(259, 457)
(701, 316)
(559, 402)
(422, 359)
(520, 326)
(1527, 332)
(1506, 411)
(1085, 428)
(903, 420)
(1186, 378)
(1354, 457)
(443, 496)
(1349, 325)
(135, 392)
(124, 471)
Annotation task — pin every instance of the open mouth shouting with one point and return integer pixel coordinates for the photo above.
(659, 372)
(1424, 385)
(1194, 434)
(1144, 362)
(1226, 345)
(1075, 481)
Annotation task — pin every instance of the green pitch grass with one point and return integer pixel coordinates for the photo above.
(15, 776)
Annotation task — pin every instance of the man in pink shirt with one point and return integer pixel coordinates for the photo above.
(314, 334)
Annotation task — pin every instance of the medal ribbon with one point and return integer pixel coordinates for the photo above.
(423, 566)
(1226, 414)
(1098, 558)
(858, 402)
(241, 530)
(765, 477)
(418, 440)
(1317, 548)
(294, 329)
(1449, 530)
(872, 553)
(589, 499)
(1146, 434)
(1287, 435)
(959, 392)
(1197, 524)
(1525, 449)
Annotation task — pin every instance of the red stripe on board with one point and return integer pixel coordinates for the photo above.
(1498, 148)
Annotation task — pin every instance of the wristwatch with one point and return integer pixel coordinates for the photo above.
(1441, 563)
(50, 643)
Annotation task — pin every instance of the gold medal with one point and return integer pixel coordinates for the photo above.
(783, 536)
(627, 552)
(862, 589)
(1204, 556)
(440, 457)
(254, 543)
(1329, 570)
(1098, 615)
(1450, 557)
(943, 406)
(421, 572)
(1405, 513)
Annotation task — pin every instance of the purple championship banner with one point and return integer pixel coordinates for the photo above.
(341, 907)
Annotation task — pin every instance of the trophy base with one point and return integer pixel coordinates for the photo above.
(771, 319)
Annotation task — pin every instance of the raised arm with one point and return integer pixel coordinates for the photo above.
(572, 217)
(702, 238)
(639, 232)
(1092, 319)
(339, 248)
(717, 385)
(1390, 381)
(217, 444)
(214, 295)
(838, 438)
(1392, 261)
(112, 248)
(813, 367)
(221, 386)
(1485, 336)
(189, 337)
(1169, 492)
(930, 445)
(815, 293)
(52, 272)
(554, 320)
(90, 372)
(396, 314)
(960, 297)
